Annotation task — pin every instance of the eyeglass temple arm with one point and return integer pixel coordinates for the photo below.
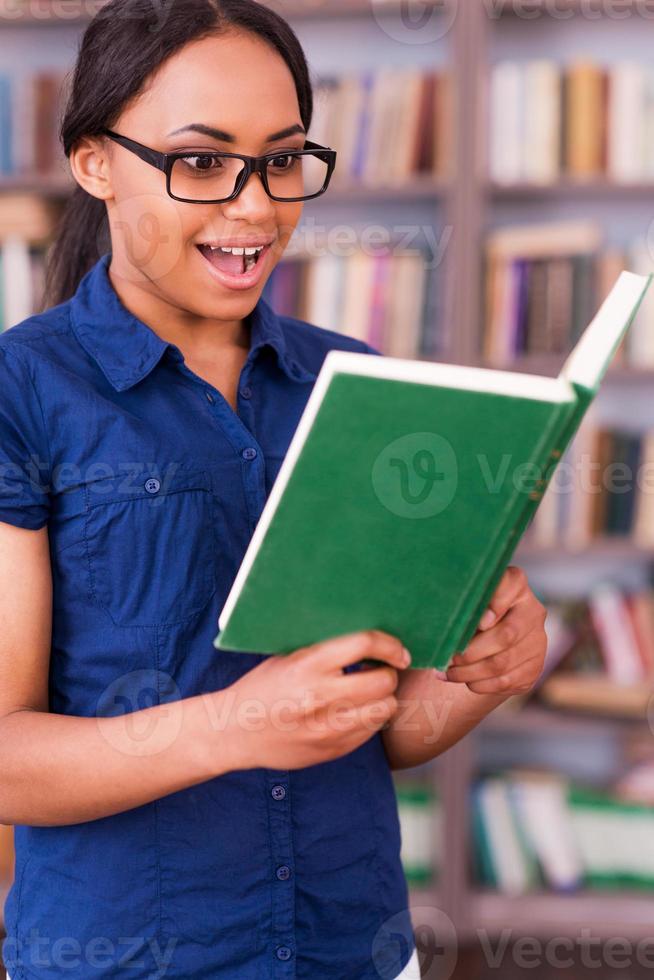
(144, 152)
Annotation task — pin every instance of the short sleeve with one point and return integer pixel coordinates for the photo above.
(24, 455)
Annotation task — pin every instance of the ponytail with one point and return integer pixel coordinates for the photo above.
(81, 237)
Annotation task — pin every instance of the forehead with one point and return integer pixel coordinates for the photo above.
(237, 82)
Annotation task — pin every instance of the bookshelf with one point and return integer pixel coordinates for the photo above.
(79, 12)
(471, 205)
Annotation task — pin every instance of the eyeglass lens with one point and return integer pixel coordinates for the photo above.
(204, 177)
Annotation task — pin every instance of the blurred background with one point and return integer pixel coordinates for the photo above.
(495, 173)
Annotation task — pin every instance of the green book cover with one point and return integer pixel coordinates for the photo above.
(404, 492)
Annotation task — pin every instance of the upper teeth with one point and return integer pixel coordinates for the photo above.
(237, 251)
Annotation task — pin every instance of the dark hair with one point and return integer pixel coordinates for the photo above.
(123, 45)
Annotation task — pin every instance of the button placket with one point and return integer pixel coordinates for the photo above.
(281, 855)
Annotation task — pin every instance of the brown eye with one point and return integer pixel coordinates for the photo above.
(204, 162)
(284, 162)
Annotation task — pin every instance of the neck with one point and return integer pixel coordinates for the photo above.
(194, 334)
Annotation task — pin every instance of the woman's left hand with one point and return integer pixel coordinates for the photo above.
(506, 654)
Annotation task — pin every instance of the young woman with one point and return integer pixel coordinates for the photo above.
(180, 811)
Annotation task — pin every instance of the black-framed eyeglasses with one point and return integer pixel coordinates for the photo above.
(216, 177)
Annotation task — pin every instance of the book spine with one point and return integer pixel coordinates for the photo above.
(571, 422)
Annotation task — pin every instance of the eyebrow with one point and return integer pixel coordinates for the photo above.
(220, 134)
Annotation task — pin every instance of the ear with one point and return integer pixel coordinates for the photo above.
(90, 165)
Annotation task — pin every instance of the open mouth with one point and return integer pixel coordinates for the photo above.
(230, 262)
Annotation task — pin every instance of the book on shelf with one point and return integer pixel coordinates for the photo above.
(387, 125)
(420, 812)
(543, 280)
(600, 651)
(30, 109)
(583, 121)
(606, 495)
(537, 829)
(22, 281)
(387, 298)
(371, 501)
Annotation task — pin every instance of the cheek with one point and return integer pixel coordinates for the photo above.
(287, 216)
(148, 228)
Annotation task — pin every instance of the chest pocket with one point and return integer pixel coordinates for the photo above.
(151, 546)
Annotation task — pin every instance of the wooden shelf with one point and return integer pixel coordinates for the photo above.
(545, 914)
(338, 9)
(539, 719)
(616, 549)
(583, 189)
(49, 185)
(527, 8)
(77, 13)
(423, 187)
(549, 365)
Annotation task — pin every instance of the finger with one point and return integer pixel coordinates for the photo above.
(341, 651)
(509, 631)
(370, 716)
(520, 680)
(368, 685)
(511, 585)
(530, 648)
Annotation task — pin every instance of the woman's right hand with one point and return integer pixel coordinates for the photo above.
(300, 709)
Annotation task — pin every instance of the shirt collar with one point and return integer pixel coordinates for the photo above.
(127, 349)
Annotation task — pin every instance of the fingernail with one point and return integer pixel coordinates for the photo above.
(487, 619)
(406, 658)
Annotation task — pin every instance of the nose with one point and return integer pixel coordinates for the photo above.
(252, 203)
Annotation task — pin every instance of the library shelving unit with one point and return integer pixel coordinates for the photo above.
(342, 34)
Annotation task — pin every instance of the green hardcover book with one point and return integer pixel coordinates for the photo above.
(404, 492)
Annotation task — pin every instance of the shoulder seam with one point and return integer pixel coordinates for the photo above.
(46, 439)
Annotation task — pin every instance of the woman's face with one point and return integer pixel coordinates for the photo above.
(235, 83)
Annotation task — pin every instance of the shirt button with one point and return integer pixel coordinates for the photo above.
(210, 397)
(249, 453)
(283, 872)
(246, 392)
(278, 792)
(152, 486)
(283, 953)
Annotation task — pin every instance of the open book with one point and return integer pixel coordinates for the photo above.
(404, 492)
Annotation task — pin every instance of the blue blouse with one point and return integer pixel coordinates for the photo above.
(151, 486)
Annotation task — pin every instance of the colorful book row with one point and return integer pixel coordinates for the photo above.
(582, 121)
(386, 125)
(388, 299)
(545, 282)
(30, 110)
(535, 830)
